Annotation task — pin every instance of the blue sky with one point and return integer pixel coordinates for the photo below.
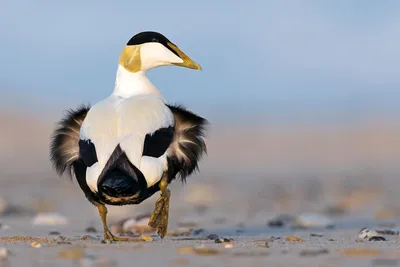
(272, 60)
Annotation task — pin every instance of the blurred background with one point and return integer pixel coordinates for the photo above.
(302, 98)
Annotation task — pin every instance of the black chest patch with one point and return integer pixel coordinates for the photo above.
(157, 143)
(87, 152)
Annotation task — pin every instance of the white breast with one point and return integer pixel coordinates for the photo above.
(126, 121)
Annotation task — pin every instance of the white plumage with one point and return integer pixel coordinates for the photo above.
(126, 119)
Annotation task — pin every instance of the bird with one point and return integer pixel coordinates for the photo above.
(132, 144)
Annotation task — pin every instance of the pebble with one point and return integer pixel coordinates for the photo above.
(54, 233)
(90, 229)
(49, 218)
(367, 233)
(285, 218)
(4, 253)
(313, 220)
(212, 236)
(294, 239)
(275, 223)
(313, 253)
(36, 245)
(316, 235)
(223, 240)
(376, 238)
(106, 241)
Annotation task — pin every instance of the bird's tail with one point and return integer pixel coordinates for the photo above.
(188, 145)
(64, 147)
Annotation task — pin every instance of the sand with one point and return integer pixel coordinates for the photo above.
(347, 174)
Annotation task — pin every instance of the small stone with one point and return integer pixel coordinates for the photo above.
(266, 244)
(54, 233)
(106, 241)
(223, 240)
(316, 235)
(275, 223)
(49, 218)
(36, 245)
(4, 253)
(313, 253)
(90, 229)
(294, 239)
(212, 236)
(273, 238)
(367, 233)
(377, 238)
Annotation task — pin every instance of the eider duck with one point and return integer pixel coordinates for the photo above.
(132, 144)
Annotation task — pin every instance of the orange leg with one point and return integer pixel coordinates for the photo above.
(159, 217)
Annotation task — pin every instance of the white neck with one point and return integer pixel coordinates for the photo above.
(128, 84)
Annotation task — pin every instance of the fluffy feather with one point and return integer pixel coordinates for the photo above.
(188, 145)
(64, 148)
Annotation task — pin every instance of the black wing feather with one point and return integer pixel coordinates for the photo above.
(157, 143)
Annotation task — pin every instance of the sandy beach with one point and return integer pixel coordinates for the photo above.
(236, 197)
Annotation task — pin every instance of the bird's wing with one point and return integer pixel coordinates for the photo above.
(64, 148)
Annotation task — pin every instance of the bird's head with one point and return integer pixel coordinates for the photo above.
(147, 50)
